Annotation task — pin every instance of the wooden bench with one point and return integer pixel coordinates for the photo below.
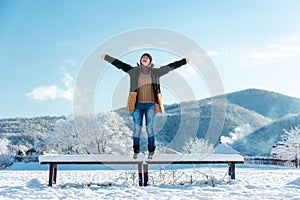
(142, 162)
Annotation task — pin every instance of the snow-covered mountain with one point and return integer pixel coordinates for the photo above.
(260, 142)
(269, 104)
(254, 122)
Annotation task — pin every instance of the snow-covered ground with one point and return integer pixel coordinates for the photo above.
(29, 181)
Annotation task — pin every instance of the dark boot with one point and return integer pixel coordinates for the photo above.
(151, 151)
(136, 151)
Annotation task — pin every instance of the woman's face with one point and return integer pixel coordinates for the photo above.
(145, 60)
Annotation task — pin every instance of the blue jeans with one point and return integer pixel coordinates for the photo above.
(141, 109)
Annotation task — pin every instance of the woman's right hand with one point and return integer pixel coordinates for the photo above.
(103, 56)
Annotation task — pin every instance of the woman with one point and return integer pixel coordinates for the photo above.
(144, 96)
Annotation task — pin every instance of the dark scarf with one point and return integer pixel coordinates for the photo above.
(145, 69)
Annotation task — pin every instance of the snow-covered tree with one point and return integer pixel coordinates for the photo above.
(91, 133)
(63, 138)
(197, 145)
(289, 147)
(6, 157)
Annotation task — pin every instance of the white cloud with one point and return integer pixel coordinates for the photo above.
(187, 71)
(287, 50)
(49, 92)
(201, 59)
(67, 80)
(291, 39)
(68, 65)
(54, 91)
(220, 53)
(69, 62)
(283, 48)
(212, 53)
(273, 53)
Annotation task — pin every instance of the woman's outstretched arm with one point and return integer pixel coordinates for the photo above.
(116, 62)
(171, 66)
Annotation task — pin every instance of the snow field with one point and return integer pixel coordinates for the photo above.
(251, 183)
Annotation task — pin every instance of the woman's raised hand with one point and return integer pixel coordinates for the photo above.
(103, 56)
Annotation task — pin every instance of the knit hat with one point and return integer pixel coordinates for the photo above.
(148, 55)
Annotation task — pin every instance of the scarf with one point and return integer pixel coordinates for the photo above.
(145, 69)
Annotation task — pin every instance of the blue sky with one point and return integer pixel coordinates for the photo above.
(253, 44)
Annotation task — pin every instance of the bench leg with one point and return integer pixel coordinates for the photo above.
(145, 166)
(140, 172)
(52, 173)
(231, 170)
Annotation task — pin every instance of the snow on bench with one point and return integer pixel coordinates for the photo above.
(196, 159)
(141, 161)
(88, 159)
(157, 159)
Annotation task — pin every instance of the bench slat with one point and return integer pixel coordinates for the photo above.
(157, 159)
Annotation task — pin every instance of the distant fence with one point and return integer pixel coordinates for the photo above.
(271, 161)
